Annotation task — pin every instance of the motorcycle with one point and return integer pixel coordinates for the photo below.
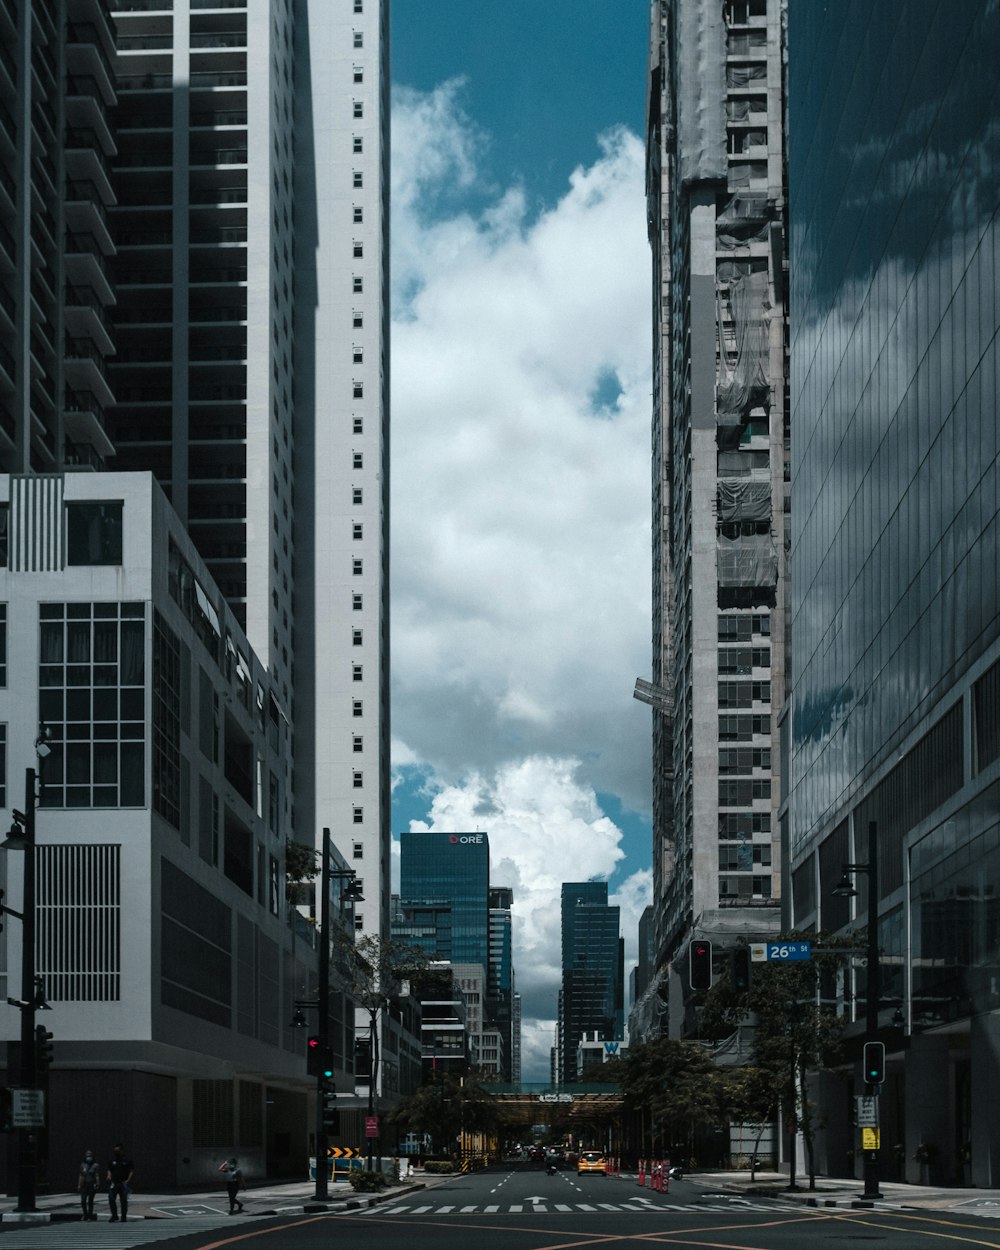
(551, 1169)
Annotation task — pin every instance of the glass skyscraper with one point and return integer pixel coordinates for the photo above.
(894, 183)
(592, 999)
(447, 876)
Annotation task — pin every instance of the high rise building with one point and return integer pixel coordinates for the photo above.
(501, 982)
(445, 877)
(895, 266)
(251, 373)
(591, 998)
(715, 188)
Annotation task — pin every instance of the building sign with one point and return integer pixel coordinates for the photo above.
(466, 839)
(371, 1126)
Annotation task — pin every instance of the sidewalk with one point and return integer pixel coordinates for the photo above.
(844, 1192)
(264, 1199)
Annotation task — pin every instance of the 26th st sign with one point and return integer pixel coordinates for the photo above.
(779, 952)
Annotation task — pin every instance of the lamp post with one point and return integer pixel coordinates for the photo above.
(845, 888)
(349, 892)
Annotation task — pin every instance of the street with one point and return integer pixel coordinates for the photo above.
(510, 1209)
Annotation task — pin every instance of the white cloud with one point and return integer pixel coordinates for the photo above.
(521, 514)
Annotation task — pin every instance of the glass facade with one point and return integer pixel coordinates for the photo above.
(894, 179)
(450, 871)
(592, 999)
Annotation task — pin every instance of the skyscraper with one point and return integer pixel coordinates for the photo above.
(447, 876)
(715, 189)
(252, 373)
(592, 995)
(895, 266)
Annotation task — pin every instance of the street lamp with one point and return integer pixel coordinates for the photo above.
(845, 889)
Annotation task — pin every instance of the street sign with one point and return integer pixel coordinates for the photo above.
(342, 1152)
(780, 952)
(371, 1126)
(27, 1108)
(870, 1139)
(867, 1110)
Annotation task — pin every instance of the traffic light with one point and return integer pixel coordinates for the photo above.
(43, 1050)
(314, 1051)
(700, 965)
(874, 1062)
(326, 1064)
(740, 969)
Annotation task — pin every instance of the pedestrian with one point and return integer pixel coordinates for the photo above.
(87, 1182)
(234, 1183)
(119, 1180)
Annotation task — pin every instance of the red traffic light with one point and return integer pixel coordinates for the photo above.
(312, 1043)
(700, 965)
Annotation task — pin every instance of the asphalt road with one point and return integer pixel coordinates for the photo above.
(508, 1209)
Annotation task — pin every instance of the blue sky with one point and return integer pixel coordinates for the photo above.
(520, 459)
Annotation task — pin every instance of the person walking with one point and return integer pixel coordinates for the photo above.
(119, 1178)
(234, 1183)
(87, 1182)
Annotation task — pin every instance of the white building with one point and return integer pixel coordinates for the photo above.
(163, 938)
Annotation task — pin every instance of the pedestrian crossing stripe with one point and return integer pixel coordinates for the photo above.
(639, 1206)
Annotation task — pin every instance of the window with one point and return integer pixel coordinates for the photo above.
(359, 74)
(359, 390)
(358, 425)
(359, 815)
(359, 250)
(358, 567)
(359, 355)
(359, 39)
(3, 649)
(359, 850)
(359, 214)
(359, 780)
(357, 602)
(357, 637)
(357, 285)
(3, 765)
(358, 744)
(357, 495)
(359, 921)
(358, 320)
(358, 460)
(356, 144)
(91, 678)
(94, 532)
(357, 179)
(357, 673)
(359, 6)
(357, 531)
(359, 108)
(357, 708)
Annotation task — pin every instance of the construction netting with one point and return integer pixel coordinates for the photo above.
(748, 560)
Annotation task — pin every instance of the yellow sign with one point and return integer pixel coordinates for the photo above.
(870, 1139)
(342, 1152)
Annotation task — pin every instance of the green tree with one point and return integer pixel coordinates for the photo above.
(445, 1106)
(677, 1086)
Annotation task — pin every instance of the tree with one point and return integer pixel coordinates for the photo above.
(677, 1085)
(794, 1030)
(301, 867)
(446, 1106)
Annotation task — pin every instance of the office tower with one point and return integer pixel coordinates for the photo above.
(501, 972)
(715, 187)
(445, 877)
(893, 188)
(251, 373)
(56, 89)
(591, 999)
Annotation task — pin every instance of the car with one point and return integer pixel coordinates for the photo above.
(591, 1161)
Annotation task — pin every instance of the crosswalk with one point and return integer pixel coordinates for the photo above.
(641, 1206)
(103, 1235)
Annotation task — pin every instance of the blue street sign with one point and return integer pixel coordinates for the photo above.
(785, 951)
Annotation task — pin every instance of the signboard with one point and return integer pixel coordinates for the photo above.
(342, 1152)
(27, 1107)
(371, 1126)
(779, 952)
(866, 1111)
(870, 1139)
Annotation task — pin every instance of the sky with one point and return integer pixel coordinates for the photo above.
(520, 494)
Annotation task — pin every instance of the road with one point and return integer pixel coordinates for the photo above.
(521, 1209)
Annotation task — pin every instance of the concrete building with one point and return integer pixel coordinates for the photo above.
(715, 188)
(251, 373)
(163, 941)
(893, 186)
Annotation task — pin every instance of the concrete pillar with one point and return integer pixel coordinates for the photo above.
(985, 1135)
(928, 1121)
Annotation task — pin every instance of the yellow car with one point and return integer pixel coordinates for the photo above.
(591, 1161)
